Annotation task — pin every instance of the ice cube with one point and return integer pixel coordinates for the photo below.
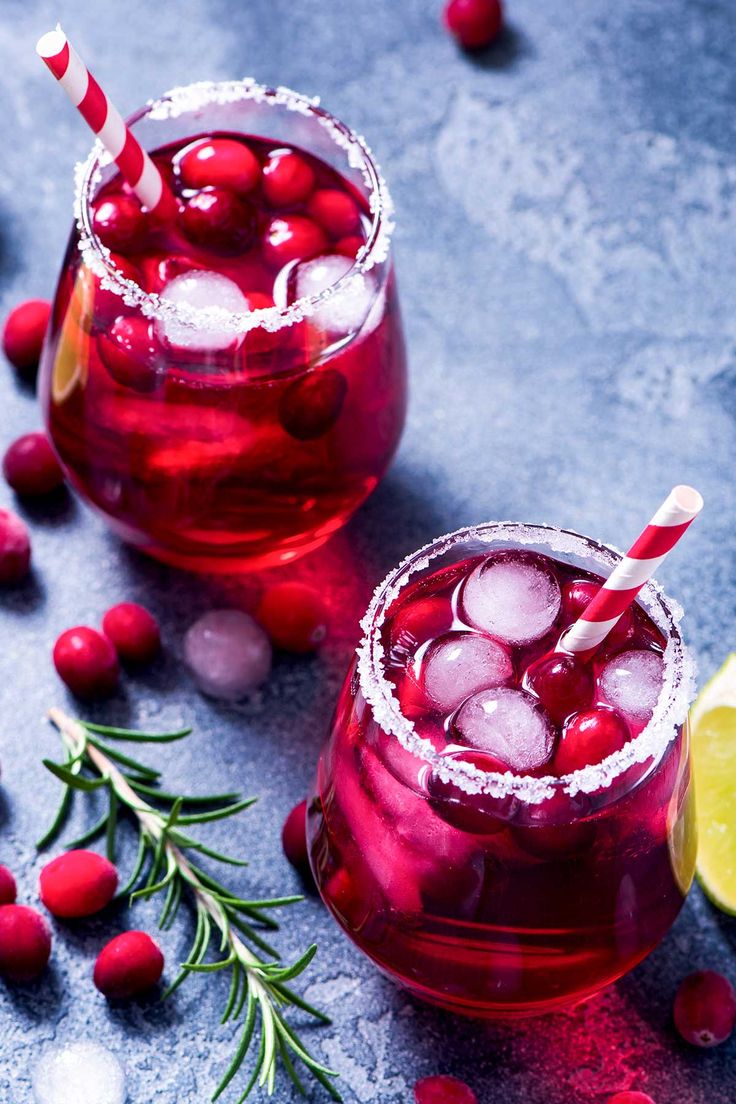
(460, 663)
(81, 1073)
(228, 654)
(507, 724)
(514, 598)
(201, 290)
(349, 308)
(631, 682)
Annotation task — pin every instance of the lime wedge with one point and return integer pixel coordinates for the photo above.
(713, 727)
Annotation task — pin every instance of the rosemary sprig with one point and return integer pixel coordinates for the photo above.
(168, 864)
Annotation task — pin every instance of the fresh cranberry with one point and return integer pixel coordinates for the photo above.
(130, 964)
(30, 465)
(134, 632)
(259, 340)
(25, 943)
(15, 548)
(221, 162)
(418, 621)
(131, 353)
(87, 662)
(24, 331)
(577, 596)
(442, 1089)
(348, 247)
(8, 890)
(219, 220)
(335, 211)
(292, 238)
(474, 23)
(78, 883)
(294, 838)
(120, 223)
(295, 616)
(479, 813)
(589, 738)
(705, 1009)
(630, 1098)
(287, 178)
(562, 683)
(159, 271)
(310, 406)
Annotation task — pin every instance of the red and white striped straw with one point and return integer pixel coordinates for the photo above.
(106, 122)
(679, 509)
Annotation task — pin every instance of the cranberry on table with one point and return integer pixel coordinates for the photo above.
(442, 1089)
(131, 352)
(474, 23)
(24, 331)
(335, 211)
(15, 548)
(292, 238)
(30, 465)
(287, 178)
(589, 738)
(310, 406)
(87, 662)
(120, 223)
(228, 654)
(563, 684)
(218, 219)
(705, 1009)
(25, 943)
(134, 632)
(78, 883)
(295, 616)
(222, 162)
(8, 890)
(127, 966)
(294, 838)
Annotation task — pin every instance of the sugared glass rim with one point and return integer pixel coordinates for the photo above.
(669, 713)
(189, 98)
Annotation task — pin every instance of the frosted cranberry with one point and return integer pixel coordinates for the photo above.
(130, 964)
(120, 223)
(705, 1009)
(25, 943)
(577, 596)
(24, 331)
(310, 406)
(292, 238)
(442, 1089)
(348, 247)
(131, 353)
(630, 1098)
(287, 178)
(78, 883)
(563, 684)
(474, 23)
(222, 162)
(418, 621)
(134, 632)
(15, 548)
(481, 814)
(87, 662)
(219, 220)
(8, 890)
(294, 838)
(590, 737)
(295, 616)
(335, 211)
(30, 465)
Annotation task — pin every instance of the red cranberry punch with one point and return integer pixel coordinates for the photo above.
(226, 383)
(502, 819)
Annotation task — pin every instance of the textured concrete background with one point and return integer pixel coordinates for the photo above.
(567, 254)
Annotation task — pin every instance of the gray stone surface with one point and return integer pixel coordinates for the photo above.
(566, 252)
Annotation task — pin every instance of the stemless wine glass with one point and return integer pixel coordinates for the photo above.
(488, 892)
(247, 437)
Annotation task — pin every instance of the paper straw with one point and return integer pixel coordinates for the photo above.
(679, 509)
(107, 123)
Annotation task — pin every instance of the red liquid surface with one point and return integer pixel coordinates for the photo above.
(250, 453)
(486, 905)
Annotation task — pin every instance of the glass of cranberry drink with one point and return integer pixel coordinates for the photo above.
(502, 827)
(228, 386)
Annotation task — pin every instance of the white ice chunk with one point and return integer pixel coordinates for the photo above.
(461, 663)
(80, 1073)
(206, 291)
(514, 599)
(507, 724)
(228, 654)
(631, 682)
(351, 308)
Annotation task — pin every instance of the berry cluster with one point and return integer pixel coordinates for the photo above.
(88, 660)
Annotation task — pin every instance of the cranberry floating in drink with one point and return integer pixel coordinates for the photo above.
(225, 376)
(502, 818)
